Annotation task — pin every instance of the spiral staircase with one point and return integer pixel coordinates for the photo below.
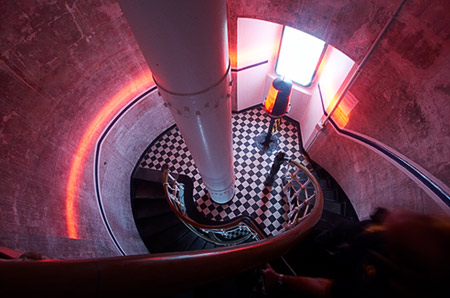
(168, 220)
(162, 230)
(190, 256)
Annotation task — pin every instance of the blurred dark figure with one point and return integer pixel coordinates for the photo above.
(393, 254)
(278, 161)
(419, 254)
(31, 256)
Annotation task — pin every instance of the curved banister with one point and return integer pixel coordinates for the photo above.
(157, 274)
(296, 188)
(250, 222)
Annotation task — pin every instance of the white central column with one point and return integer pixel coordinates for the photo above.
(185, 45)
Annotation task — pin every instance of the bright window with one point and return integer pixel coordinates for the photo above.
(299, 56)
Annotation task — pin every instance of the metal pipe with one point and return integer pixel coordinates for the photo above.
(185, 44)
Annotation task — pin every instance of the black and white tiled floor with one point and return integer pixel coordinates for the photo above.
(252, 198)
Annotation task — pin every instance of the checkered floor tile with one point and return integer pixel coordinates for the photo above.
(252, 165)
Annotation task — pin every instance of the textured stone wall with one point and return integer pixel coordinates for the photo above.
(121, 149)
(369, 180)
(403, 94)
(404, 89)
(61, 63)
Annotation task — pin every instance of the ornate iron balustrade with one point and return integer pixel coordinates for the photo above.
(301, 189)
(299, 186)
(236, 231)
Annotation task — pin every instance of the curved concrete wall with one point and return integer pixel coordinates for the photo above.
(404, 91)
(368, 179)
(119, 153)
(403, 95)
(62, 69)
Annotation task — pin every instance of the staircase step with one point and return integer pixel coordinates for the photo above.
(156, 224)
(148, 175)
(162, 241)
(197, 244)
(333, 218)
(224, 288)
(184, 242)
(334, 207)
(209, 245)
(329, 194)
(344, 211)
(147, 190)
(150, 207)
(323, 182)
(323, 225)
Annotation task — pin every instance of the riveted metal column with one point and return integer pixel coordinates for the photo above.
(185, 45)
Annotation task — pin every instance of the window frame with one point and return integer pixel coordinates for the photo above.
(319, 61)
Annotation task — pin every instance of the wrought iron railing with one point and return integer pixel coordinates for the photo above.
(300, 190)
(236, 231)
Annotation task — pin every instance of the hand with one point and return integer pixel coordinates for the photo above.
(271, 278)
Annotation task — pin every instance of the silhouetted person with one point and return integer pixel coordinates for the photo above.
(404, 255)
(278, 161)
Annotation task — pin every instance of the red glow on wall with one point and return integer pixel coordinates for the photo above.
(246, 57)
(233, 58)
(331, 105)
(340, 117)
(88, 141)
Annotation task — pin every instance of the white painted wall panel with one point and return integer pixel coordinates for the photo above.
(257, 41)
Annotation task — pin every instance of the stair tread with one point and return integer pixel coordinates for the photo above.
(149, 208)
(159, 242)
(323, 225)
(333, 206)
(184, 242)
(329, 194)
(148, 175)
(147, 189)
(156, 224)
(333, 218)
(197, 244)
(209, 245)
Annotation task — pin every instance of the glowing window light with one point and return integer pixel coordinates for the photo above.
(299, 56)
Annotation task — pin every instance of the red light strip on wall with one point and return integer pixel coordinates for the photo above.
(87, 143)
